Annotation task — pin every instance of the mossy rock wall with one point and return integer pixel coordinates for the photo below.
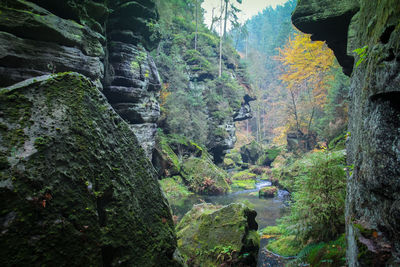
(75, 187)
(104, 40)
(373, 143)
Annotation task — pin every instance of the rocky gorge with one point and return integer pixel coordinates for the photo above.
(115, 121)
(74, 179)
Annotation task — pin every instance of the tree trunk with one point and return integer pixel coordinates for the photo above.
(195, 35)
(212, 20)
(295, 110)
(226, 16)
(220, 44)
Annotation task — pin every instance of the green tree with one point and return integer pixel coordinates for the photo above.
(317, 211)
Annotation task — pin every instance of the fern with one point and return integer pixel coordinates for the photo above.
(362, 54)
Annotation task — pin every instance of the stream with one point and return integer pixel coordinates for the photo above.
(268, 211)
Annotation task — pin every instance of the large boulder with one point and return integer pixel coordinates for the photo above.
(75, 186)
(219, 236)
(107, 41)
(372, 206)
(204, 177)
(251, 152)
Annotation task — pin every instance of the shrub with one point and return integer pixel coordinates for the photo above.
(317, 211)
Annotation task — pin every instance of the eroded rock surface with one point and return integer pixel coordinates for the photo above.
(75, 187)
(107, 41)
(211, 235)
(372, 208)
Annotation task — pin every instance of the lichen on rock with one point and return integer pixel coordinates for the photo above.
(213, 235)
(75, 186)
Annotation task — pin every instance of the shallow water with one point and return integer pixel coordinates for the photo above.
(268, 210)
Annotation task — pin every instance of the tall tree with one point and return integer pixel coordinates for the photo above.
(197, 24)
(307, 72)
(220, 42)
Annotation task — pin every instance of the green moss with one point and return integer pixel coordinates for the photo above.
(228, 163)
(244, 175)
(244, 184)
(364, 231)
(271, 230)
(338, 143)
(269, 191)
(42, 142)
(138, 61)
(209, 235)
(16, 110)
(285, 246)
(173, 188)
(204, 177)
(84, 183)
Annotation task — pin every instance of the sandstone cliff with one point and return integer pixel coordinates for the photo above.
(373, 198)
(76, 189)
(104, 41)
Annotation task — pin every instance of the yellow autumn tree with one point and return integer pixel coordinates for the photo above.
(306, 68)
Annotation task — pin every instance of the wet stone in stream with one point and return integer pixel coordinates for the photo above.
(268, 211)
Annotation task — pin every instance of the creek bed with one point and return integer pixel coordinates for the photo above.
(268, 211)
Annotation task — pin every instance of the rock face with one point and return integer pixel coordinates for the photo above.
(103, 40)
(219, 236)
(373, 198)
(75, 186)
(193, 165)
(251, 152)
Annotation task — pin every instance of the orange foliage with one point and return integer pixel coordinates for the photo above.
(306, 68)
(164, 94)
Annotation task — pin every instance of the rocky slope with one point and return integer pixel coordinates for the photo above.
(200, 103)
(373, 198)
(75, 186)
(104, 41)
(76, 189)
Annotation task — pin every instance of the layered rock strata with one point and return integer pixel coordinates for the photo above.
(104, 41)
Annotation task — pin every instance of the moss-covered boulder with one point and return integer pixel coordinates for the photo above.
(174, 188)
(164, 160)
(244, 180)
(268, 192)
(251, 152)
(202, 176)
(232, 159)
(268, 156)
(75, 186)
(244, 175)
(219, 236)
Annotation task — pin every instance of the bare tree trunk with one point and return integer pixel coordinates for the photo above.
(311, 118)
(220, 44)
(226, 16)
(258, 121)
(295, 110)
(247, 40)
(212, 20)
(195, 35)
